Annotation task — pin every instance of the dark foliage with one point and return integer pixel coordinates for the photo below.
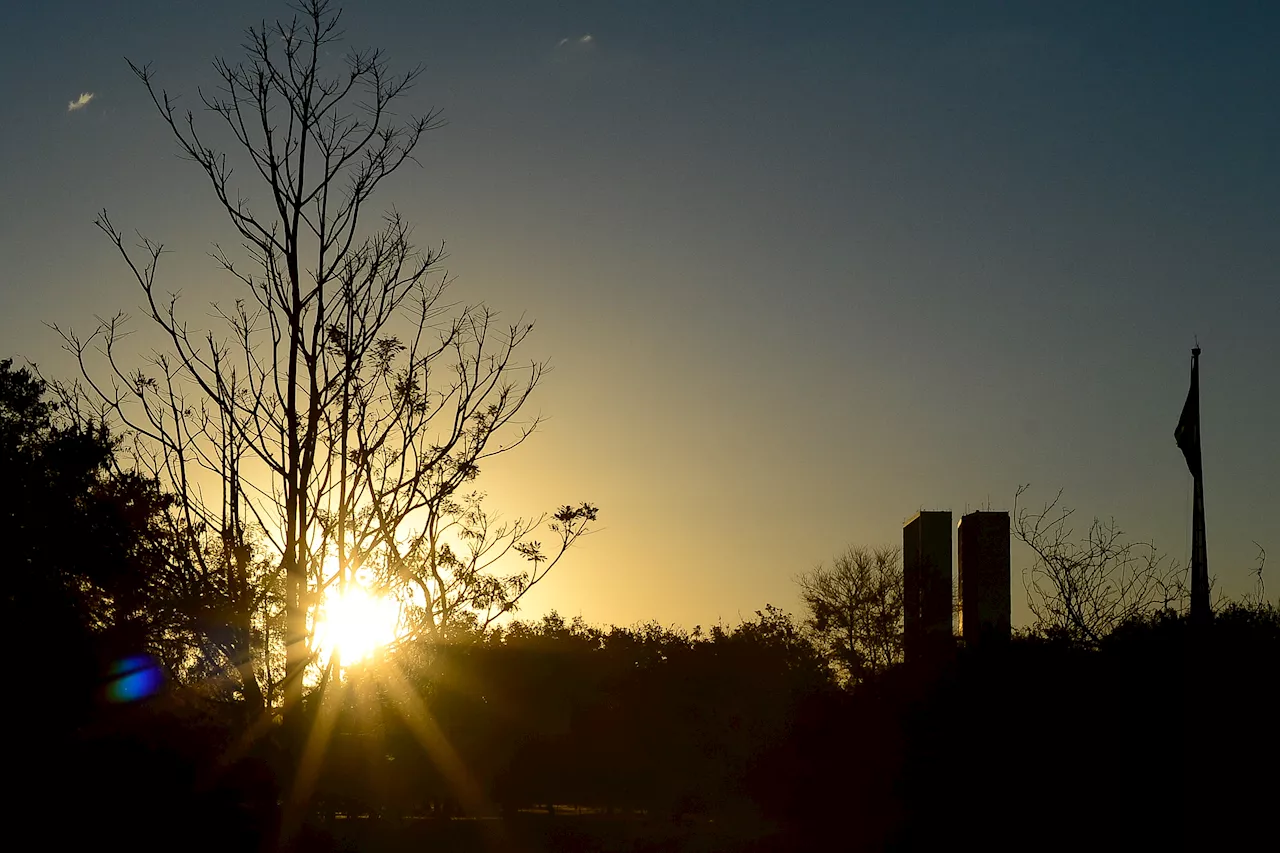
(855, 610)
(80, 545)
(732, 739)
(77, 545)
(1039, 743)
(1140, 744)
(645, 719)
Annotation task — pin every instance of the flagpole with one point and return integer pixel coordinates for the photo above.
(1200, 606)
(1188, 438)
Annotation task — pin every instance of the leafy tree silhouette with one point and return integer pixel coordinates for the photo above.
(48, 473)
(855, 610)
(85, 550)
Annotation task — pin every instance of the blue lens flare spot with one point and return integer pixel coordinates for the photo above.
(134, 678)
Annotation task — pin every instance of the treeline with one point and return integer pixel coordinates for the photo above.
(1039, 742)
(647, 719)
(734, 739)
(739, 737)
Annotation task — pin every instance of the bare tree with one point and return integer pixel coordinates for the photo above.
(1258, 596)
(855, 610)
(1085, 589)
(336, 421)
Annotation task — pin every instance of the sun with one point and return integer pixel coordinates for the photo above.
(355, 624)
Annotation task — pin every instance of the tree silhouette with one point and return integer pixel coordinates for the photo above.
(47, 472)
(1083, 590)
(85, 547)
(336, 421)
(855, 610)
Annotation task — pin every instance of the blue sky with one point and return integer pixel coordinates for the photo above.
(802, 269)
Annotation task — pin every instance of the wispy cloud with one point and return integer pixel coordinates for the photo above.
(576, 44)
(80, 102)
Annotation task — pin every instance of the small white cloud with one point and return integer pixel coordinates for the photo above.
(585, 43)
(80, 102)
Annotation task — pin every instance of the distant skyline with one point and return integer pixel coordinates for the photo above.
(801, 269)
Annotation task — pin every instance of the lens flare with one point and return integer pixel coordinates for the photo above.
(134, 678)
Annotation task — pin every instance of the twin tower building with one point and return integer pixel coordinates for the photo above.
(981, 600)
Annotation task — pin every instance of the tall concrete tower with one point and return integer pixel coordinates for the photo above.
(926, 582)
(984, 577)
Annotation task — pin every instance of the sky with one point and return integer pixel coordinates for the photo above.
(801, 269)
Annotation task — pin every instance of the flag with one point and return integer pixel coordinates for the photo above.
(1188, 432)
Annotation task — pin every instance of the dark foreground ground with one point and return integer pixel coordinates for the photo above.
(536, 833)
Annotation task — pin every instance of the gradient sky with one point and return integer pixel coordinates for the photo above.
(801, 268)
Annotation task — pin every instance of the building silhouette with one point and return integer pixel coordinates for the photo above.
(983, 572)
(926, 586)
